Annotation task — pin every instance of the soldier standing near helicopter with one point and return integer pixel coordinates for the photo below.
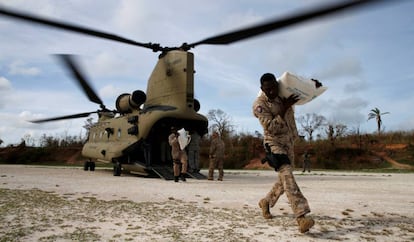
(179, 156)
(216, 156)
(276, 116)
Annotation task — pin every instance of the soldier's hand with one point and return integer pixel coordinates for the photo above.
(288, 102)
(292, 99)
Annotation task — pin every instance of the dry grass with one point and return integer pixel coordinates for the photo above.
(38, 215)
(45, 216)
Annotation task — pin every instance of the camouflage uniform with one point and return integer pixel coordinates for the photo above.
(179, 156)
(279, 135)
(216, 157)
(306, 162)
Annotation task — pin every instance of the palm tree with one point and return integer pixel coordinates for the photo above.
(376, 113)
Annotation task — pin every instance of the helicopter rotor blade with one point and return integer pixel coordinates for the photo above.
(70, 63)
(79, 115)
(73, 28)
(279, 23)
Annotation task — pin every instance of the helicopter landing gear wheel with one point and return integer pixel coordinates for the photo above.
(117, 168)
(89, 165)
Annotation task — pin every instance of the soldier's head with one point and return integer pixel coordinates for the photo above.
(215, 134)
(269, 85)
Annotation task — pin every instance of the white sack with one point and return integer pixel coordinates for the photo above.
(183, 138)
(305, 88)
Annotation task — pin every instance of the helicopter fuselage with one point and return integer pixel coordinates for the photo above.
(139, 134)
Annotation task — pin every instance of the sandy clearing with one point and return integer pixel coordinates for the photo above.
(78, 205)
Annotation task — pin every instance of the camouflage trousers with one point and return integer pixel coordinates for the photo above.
(218, 163)
(286, 184)
(180, 165)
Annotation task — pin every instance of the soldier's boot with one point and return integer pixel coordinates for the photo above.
(183, 177)
(264, 205)
(176, 178)
(305, 223)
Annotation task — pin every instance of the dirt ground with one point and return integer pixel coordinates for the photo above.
(69, 204)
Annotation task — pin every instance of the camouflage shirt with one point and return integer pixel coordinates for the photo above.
(279, 132)
(217, 148)
(176, 152)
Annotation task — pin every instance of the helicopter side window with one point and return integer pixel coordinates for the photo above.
(119, 133)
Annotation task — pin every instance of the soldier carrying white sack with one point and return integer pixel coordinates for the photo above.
(276, 116)
(179, 156)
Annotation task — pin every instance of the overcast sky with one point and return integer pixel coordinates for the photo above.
(364, 57)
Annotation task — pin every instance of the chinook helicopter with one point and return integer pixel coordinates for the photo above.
(133, 136)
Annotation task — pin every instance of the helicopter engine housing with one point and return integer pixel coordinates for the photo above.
(126, 102)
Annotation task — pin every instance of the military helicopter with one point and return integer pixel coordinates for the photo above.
(134, 135)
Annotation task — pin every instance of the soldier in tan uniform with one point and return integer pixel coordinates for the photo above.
(306, 161)
(276, 116)
(179, 156)
(216, 156)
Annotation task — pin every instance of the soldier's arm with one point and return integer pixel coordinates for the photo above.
(212, 148)
(172, 139)
(274, 125)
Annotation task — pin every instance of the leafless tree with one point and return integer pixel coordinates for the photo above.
(310, 123)
(30, 141)
(88, 125)
(335, 131)
(220, 121)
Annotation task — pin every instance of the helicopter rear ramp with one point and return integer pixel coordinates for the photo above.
(197, 175)
(167, 173)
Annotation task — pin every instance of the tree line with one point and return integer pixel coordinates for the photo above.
(242, 147)
(220, 121)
